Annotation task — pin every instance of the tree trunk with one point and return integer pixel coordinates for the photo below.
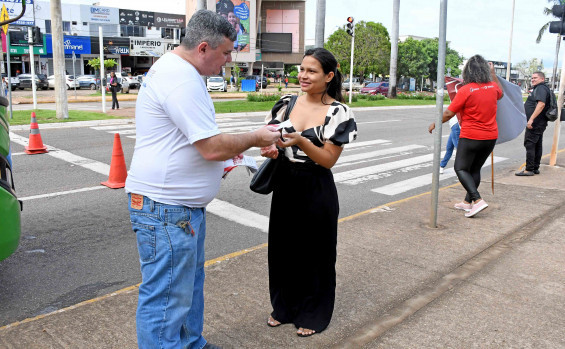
(320, 23)
(62, 108)
(394, 49)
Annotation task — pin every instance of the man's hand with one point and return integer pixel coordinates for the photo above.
(431, 127)
(266, 136)
(530, 124)
(270, 152)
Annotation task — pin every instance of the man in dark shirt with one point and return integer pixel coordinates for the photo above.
(536, 106)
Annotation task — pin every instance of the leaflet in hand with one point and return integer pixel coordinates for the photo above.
(283, 124)
(247, 161)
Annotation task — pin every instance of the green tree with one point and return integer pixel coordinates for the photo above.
(527, 68)
(452, 58)
(372, 49)
(412, 61)
(95, 63)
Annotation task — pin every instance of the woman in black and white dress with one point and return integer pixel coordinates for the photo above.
(305, 207)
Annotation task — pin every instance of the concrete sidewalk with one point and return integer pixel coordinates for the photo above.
(493, 281)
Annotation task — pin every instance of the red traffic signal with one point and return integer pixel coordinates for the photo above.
(350, 19)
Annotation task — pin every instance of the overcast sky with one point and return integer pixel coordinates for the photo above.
(473, 26)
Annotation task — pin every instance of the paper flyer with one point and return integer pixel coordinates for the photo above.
(247, 161)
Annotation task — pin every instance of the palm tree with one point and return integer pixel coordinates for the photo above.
(549, 11)
(394, 49)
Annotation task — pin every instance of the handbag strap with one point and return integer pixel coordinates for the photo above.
(289, 107)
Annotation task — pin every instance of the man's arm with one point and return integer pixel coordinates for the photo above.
(225, 146)
(537, 112)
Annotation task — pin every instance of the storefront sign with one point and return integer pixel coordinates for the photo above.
(147, 47)
(169, 46)
(115, 46)
(76, 44)
(97, 14)
(165, 20)
(23, 50)
(14, 8)
(134, 17)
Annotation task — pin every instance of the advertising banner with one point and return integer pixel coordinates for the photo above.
(169, 46)
(237, 13)
(134, 17)
(97, 14)
(76, 44)
(114, 45)
(165, 20)
(146, 47)
(14, 8)
(24, 50)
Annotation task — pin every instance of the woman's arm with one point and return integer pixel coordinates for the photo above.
(447, 114)
(326, 156)
(495, 79)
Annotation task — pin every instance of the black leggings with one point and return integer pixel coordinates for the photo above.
(471, 155)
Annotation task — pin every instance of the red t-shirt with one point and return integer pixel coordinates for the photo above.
(476, 105)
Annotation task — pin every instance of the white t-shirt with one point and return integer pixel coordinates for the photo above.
(173, 111)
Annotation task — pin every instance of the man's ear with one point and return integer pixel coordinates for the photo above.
(202, 47)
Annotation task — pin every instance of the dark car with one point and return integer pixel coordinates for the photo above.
(375, 88)
(41, 81)
(257, 79)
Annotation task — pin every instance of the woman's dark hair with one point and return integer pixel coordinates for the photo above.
(329, 64)
(476, 70)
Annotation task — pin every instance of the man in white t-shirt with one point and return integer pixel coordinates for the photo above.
(175, 172)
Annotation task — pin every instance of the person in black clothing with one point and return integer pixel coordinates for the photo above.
(114, 88)
(536, 106)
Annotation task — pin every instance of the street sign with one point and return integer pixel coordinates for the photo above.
(4, 16)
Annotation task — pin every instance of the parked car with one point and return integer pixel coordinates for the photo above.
(121, 80)
(216, 83)
(375, 88)
(257, 78)
(14, 81)
(132, 81)
(356, 84)
(40, 81)
(70, 81)
(88, 81)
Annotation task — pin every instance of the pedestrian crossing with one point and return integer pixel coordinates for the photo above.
(369, 163)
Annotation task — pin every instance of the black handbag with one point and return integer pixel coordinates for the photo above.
(265, 179)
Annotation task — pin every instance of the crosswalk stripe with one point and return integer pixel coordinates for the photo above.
(376, 122)
(364, 174)
(420, 181)
(366, 143)
(369, 155)
(113, 127)
(239, 215)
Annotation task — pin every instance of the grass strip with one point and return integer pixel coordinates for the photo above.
(23, 117)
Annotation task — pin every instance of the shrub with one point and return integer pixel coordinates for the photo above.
(258, 97)
(354, 98)
(377, 97)
(292, 80)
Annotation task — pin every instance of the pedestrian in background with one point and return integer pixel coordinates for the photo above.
(452, 142)
(5, 87)
(114, 88)
(175, 172)
(476, 104)
(286, 82)
(536, 105)
(305, 206)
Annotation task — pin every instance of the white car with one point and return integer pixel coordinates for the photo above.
(70, 82)
(216, 83)
(122, 80)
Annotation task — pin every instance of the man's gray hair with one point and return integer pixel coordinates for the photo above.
(207, 26)
(541, 74)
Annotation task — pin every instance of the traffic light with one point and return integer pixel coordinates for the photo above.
(557, 27)
(350, 28)
(36, 35)
(558, 10)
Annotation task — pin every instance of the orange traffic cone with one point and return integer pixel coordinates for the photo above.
(118, 172)
(35, 143)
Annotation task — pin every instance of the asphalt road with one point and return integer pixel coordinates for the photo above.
(79, 245)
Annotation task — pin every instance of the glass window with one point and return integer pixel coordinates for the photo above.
(66, 26)
(48, 26)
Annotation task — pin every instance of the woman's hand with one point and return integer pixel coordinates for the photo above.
(270, 151)
(431, 127)
(294, 138)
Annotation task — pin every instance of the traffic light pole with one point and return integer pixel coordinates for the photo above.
(32, 64)
(351, 67)
(557, 129)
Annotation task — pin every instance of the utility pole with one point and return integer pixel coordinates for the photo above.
(510, 45)
(394, 49)
(32, 66)
(320, 23)
(351, 31)
(559, 28)
(61, 104)
(439, 106)
(102, 84)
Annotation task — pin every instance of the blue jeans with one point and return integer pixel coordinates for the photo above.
(452, 142)
(170, 242)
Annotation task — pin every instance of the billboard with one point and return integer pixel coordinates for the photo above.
(71, 43)
(146, 47)
(165, 20)
(237, 12)
(276, 42)
(98, 14)
(134, 17)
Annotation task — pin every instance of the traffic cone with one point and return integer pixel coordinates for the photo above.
(118, 172)
(35, 143)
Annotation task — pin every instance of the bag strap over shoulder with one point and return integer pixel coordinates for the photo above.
(289, 107)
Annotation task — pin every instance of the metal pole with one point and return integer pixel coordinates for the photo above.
(102, 85)
(74, 73)
(261, 82)
(9, 73)
(557, 129)
(351, 67)
(394, 49)
(439, 105)
(320, 23)
(32, 66)
(510, 45)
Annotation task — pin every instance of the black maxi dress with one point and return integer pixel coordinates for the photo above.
(303, 225)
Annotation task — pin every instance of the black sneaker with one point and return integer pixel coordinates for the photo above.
(536, 171)
(524, 173)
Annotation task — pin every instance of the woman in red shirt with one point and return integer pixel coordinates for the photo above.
(475, 103)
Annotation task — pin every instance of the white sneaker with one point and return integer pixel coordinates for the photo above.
(441, 170)
(478, 207)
